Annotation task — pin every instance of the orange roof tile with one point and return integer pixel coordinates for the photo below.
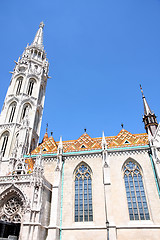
(45, 137)
(85, 142)
(30, 162)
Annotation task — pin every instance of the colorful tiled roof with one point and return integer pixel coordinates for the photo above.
(30, 163)
(86, 143)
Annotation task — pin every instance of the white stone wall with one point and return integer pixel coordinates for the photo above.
(120, 226)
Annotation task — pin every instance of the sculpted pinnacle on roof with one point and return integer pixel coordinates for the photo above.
(38, 40)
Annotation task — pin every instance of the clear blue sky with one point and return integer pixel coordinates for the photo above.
(99, 52)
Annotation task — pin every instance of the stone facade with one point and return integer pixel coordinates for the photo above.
(89, 188)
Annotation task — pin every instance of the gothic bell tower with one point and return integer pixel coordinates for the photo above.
(21, 116)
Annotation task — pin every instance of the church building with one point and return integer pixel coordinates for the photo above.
(105, 188)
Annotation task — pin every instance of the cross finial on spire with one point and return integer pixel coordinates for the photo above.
(122, 125)
(46, 127)
(41, 25)
(141, 90)
(85, 130)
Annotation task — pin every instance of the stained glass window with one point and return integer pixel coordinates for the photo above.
(137, 203)
(83, 194)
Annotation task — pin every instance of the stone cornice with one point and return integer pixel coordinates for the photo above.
(49, 157)
(15, 179)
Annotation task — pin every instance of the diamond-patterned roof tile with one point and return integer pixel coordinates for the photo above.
(86, 143)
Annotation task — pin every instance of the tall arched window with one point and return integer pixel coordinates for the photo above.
(19, 85)
(36, 122)
(83, 194)
(137, 203)
(40, 94)
(24, 111)
(4, 141)
(12, 112)
(33, 145)
(30, 86)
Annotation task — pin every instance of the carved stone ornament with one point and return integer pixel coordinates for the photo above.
(12, 205)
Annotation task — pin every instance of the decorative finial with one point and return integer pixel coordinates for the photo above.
(85, 129)
(47, 127)
(122, 125)
(41, 25)
(141, 90)
(51, 133)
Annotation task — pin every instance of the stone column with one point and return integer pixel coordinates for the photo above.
(111, 228)
(53, 229)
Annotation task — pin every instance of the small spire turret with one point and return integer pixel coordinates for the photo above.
(104, 143)
(60, 146)
(46, 134)
(149, 118)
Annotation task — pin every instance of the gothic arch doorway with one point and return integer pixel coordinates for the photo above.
(11, 210)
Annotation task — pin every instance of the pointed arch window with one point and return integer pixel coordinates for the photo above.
(12, 112)
(4, 142)
(36, 121)
(19, 85)
(24, 111)
(40, 94)
(83, 194)
(30, 87)
(136, 198)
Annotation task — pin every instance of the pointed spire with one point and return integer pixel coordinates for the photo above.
(147, 109)
(149, 117)
(104, 143)
(38, 40)
(46, 134)
(60, 147)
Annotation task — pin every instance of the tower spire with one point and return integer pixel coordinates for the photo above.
(147, 109)
(24, 100)
(149, 118)
(38, 40)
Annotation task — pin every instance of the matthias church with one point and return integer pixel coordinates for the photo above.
(82, 189)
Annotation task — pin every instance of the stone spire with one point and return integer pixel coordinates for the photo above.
(149, 118)
(60, 147)
(38, 40)
(104, 144)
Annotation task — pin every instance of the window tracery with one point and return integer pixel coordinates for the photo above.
(83, 194)
(11, 206)
(137, 203)
(10, 211)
